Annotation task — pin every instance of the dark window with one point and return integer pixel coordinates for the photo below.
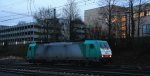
(91, 46)
(34, 48)
(104, 45)
(30, 48)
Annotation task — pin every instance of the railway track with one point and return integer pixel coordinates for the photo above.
(29, 69)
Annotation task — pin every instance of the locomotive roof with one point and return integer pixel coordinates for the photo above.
(68, 43)
(58, 43)
(94, 41)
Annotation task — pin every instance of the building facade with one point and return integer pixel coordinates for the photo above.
(20, 34)
(33, 32)
(144, 22)
(98, 18)
(26, 33)
(121, 20)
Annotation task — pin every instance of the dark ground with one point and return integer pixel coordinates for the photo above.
(132, 57)
(8, 74)
(120, 56)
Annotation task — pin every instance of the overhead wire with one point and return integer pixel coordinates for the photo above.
(10, 4)
(78, 2)
(12, 19)
(52, 8)
(30, 6)
(34, 5)
(15, 14)
(7, 16)
(23, 14)
(69, 4)
(26, 15)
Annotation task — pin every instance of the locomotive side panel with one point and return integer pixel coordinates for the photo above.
(55, 52)
(64, 52)
(40, 51)
(74, 52)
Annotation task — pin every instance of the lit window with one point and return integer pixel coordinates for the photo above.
(148, 13)
(141, 14)
(123, 28)
(123, 18)
(123, 23)
(135, 15)
(123, 35)
(114, 19)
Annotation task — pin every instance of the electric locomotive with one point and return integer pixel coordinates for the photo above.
(87, 51)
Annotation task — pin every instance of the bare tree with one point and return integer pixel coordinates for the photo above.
(116, 22)
(131, 4)
(70, 12)
(44, 13)
(139, 19)
(108, 14)
(47, 18)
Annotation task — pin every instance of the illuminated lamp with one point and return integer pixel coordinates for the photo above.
(3, 43)
(24, 42)
(16, 42)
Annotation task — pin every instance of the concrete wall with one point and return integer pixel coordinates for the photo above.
(94, 17)
(144, 20)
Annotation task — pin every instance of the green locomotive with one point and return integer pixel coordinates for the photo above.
(90, 50)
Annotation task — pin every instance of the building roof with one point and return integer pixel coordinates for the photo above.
(145, 6)
(3, 26)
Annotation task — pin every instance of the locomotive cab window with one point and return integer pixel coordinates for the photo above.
(104, 45)
(30, 48)
(35, 48)
(91, 45)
